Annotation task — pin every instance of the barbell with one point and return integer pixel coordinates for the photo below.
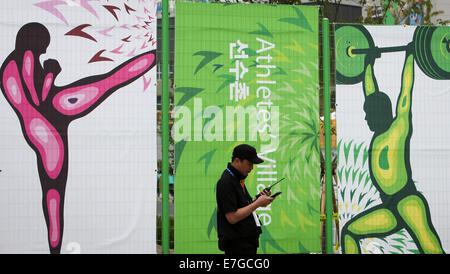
(431, 47)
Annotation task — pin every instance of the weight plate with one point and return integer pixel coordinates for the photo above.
(426, 57)
(440, 51)
(350, 67)
(420, 42)
(432, 51)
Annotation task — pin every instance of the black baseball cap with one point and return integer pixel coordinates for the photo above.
(247, 152)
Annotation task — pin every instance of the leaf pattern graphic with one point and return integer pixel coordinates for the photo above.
(207, 157)
(267, 239)
(296, 95)
(299, 21)
(188, 93)
(262, 31)
(228, 80)
(357, 194)
(356, 150)
(208, 56)
(212, 223)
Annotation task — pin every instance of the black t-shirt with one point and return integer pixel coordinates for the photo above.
(230, 197)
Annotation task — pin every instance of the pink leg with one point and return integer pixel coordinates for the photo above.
(78, 99)
(54, 226)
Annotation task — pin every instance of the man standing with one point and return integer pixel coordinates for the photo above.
(238, 226)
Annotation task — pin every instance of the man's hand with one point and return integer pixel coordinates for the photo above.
(264, 199)
(235, 216)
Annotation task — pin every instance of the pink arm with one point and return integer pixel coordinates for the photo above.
(48, 81)
(28, 75)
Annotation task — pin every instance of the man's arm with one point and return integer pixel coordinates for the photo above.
(369, 82)
(404, 99)
(243, 212)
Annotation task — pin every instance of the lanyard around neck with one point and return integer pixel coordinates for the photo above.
(240, 181)
(231, 172)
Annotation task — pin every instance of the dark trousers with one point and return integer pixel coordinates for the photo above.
(243, 246)
(241, 251)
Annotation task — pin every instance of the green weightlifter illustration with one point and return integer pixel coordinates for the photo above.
(402, 207)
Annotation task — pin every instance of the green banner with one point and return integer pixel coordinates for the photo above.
(247, 73)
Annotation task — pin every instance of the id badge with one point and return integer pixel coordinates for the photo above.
(256, 219)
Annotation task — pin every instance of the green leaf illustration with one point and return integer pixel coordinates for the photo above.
(179, 147)
(347, 150)
(267, 238)
(216, 67)
(189, 92)
(361, 176)
(356, 150)
(365, 155)
(262, 31)
(207, 158)
(228, 80)
(311, 209)
(299, 21)
(280, 72)
(301, 248)
(354, 173)
(339, 172)
(212, 222)
(208, 56)
(347, 173)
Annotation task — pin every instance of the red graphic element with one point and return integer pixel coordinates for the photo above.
(146, 83)
(117, 50)
(128, 9)
(126, 39)
(45, 111)
(112, 9)
(144, 45)
(98, 58)
(125, 26)
(78, 31)
(151, 40)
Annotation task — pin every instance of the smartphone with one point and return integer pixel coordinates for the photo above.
(275, 195)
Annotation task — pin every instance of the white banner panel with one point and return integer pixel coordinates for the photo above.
(393, 94)
(78, 126)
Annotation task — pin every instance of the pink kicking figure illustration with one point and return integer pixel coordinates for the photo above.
(45, 111)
